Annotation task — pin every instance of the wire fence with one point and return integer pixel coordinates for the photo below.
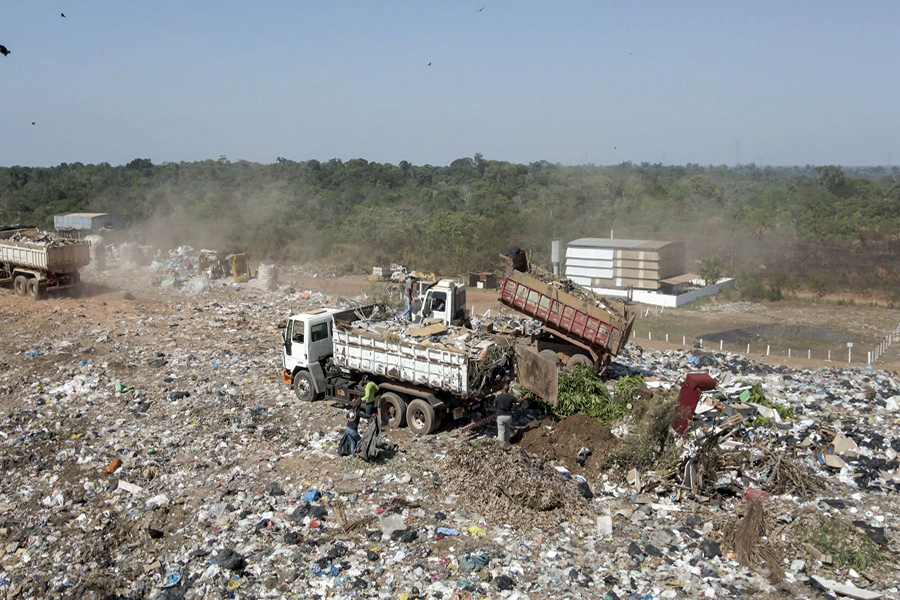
(872, 356)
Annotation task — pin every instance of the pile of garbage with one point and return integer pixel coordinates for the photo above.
(152, 450)
(36, 237)
(490, 357)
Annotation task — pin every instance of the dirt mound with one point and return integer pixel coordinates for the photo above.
(558, 441)
(506, 484)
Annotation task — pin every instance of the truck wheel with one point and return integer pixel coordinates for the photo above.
(304, 386)
(420, 417)
(392, 410)
(21, 285)
(34, 288)
(550, 355)
(438, 420)
(580, 359)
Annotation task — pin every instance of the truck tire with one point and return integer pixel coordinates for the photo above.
(304, 386)
(392, 410)
(550, 355)
(420, 417)
(34, 289)
(438, 419)
(580, 359)
(21, 285)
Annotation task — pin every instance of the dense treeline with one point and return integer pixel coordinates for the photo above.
(819, 227)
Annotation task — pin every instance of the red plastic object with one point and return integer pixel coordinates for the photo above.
(754, 494)
(688, 398)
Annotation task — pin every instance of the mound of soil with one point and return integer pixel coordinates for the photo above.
(557, 442)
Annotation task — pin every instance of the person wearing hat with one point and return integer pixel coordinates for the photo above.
(408, 288)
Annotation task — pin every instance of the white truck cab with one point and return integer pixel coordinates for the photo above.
(445, 300)
(308, 340)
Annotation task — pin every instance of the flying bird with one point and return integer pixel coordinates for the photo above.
(428, 65)
(63, 15)
(33, 123)
(4, 50)
(480, 9)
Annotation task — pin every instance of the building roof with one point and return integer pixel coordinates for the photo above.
(622, 244)
(683, 278)
(87, 215)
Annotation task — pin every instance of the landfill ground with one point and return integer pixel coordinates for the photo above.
(151, 450)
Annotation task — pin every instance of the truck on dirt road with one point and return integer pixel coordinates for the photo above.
(34, 264)
(425, 374)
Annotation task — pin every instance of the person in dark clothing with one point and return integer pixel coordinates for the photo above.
(503, 403)
(353, 426)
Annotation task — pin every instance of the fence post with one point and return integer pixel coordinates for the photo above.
(667, 338)
(869, 362)
(768, 348)
(808, 354)
(789, 352)
(650, 335)
(720, 345)
(701, 342)
(683, 341)
(829, 356)
(748, 348)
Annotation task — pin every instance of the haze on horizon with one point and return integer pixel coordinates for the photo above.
(582, 82)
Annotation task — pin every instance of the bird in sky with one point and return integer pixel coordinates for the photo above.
(33, 123)
(63, 15)
(4, 50)
(480, 9)
(428, 65)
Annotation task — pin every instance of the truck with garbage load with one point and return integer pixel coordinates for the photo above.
(577, 326)
(35, 262)
(426, 372)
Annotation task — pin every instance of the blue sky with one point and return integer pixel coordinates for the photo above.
(805, 82)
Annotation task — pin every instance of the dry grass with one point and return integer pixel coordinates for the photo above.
(749, 545)
(507, 484)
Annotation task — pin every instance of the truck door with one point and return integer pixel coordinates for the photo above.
(295, 344)
(435, 306)
(320, 345)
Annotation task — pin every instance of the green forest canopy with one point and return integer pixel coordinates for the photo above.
(812, 226)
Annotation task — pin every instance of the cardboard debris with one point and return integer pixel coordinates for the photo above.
(845, 447)
(130, 487)
(428, 331)
(834, 461)
(819, 556)
(845, 589)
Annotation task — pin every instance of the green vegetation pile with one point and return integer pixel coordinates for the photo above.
(757, 396)
(650, 445)
(847, 544)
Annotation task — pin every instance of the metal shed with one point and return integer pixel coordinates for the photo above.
(87, 221)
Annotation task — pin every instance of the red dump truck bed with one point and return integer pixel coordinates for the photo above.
(604, 331)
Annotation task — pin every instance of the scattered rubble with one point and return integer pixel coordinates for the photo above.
(150, 449)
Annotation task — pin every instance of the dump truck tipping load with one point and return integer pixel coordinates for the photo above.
(577, 317)
(35, 262)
